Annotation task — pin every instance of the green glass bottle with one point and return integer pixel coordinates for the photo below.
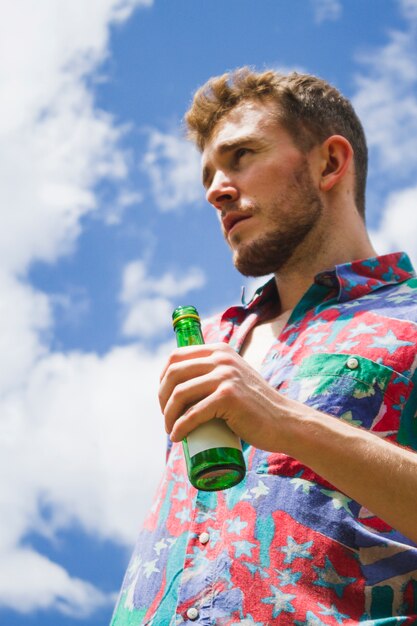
(213, 453)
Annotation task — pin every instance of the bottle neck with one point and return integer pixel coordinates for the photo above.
(188, 332)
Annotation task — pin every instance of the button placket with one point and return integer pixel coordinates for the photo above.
(195, 550)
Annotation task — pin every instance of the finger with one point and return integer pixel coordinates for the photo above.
(179, 373)
(199, 413)
(186, 395)
(191, 352)
(186, 353)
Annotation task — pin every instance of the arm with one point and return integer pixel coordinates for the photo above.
(377, 473)
(216, 382)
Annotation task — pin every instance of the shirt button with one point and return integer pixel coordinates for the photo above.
(352, 363)
(192, 613)
(204, 538)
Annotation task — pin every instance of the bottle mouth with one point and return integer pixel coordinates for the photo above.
(183, 313)
(186, 316)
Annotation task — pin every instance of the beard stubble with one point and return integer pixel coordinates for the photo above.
(292, 217)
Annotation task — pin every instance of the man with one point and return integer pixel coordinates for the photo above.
(316, 375)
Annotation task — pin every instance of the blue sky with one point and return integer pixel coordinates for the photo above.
(105, 230)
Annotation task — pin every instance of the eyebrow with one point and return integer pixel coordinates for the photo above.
(228, 146)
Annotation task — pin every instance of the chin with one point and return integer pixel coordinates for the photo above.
(240, 245)
(246, 268)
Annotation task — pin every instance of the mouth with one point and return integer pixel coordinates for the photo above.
(231, 219)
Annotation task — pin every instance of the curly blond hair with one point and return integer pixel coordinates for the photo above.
(308, 107)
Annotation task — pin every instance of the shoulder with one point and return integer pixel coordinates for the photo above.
(400, 301)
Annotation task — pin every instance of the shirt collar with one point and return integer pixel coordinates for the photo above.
(351, 280)
(359, 278)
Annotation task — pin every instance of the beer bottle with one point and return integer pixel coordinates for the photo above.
(213, 453)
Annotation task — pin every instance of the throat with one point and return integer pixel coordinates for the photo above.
(260, 339)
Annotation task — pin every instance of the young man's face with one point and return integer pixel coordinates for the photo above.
(260, 183)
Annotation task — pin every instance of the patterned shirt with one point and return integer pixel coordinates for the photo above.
(285, 546)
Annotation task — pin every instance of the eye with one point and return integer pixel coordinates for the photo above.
(240, 152)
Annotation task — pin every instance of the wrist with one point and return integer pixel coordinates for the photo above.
(307, 431)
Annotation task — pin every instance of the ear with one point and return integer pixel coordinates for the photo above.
(337, 156)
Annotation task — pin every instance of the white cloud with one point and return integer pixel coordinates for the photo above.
(41, 218)
(86, 431)
(70, 596)
(149, 317)
(326, 10)
(77, 431)
(137, 282)
(89, 429)
(55, 145)
(409, 8)
(148, 302)
(398, 227)
(173, 166)
(386, 102)
(25, 316)
(114, 214)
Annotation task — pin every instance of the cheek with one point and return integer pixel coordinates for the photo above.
(268, 182)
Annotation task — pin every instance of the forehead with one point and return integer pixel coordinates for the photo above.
(249, 117)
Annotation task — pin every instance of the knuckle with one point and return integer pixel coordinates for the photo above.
(162, 398)
(174, 356)
(169, 361)
(228, 351)
(226, 390)
(189, 413)
(216, 357)
(178, 393)
(172, 372)
(222, 357)
(224, 374)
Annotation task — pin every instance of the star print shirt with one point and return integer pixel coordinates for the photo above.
(284, 546)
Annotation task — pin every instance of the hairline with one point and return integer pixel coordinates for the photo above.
(299, 134)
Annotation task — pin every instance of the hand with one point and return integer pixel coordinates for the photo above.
(212, 380)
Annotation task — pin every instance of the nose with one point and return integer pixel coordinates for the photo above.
(221, 191)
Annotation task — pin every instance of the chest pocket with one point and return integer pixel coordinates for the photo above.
(350, 387)
(354, 388)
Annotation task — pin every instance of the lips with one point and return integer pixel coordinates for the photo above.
(231, 219)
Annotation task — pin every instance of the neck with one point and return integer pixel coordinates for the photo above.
(330, 249)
